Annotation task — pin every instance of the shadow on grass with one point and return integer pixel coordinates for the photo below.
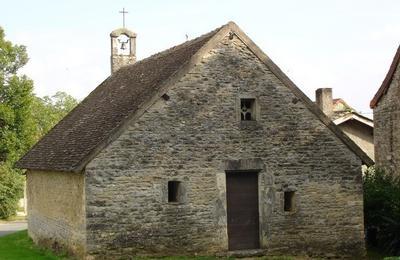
(376, 254)
(19, 246)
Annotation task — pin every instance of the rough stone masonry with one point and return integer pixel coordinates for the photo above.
(188, 137)
(194, 135)
(387, 120)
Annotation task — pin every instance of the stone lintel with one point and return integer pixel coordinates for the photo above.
(251, 164)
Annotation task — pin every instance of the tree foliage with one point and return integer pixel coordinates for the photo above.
(12, 57)
(16, 97)
(50, 110)
(24, 119)
(11, 190)
(382, 210)
(16, 123)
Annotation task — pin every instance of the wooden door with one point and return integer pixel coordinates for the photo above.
(242, 210)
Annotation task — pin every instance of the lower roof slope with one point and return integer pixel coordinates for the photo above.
(105, 109)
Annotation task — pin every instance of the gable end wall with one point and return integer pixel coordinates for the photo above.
(387, 128)
(190, 136)
(361, 135)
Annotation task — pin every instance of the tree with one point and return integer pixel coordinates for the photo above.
(382, 210)
(16, 123)
(24, 119)
(50, 110)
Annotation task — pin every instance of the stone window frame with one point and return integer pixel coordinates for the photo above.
(182, 192)
(256, 109)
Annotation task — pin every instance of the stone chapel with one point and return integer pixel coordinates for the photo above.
(206, 148)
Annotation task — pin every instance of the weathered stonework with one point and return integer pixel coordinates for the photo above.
(387, 128)
(56, 210)
(361, 135)
(118, 59)
(191, 137)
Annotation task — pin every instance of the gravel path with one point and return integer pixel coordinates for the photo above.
(11, 227)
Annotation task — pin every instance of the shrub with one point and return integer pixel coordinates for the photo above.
(11, 190)
(382, 210)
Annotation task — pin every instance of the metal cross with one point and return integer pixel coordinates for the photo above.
(123, 12)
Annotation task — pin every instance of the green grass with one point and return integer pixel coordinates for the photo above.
(19, 246)
(211, 258)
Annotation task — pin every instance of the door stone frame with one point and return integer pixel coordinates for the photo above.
(253, 166)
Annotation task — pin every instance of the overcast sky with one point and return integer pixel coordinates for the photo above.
(344, 44)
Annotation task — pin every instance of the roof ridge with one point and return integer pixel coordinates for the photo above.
(103, 112)
(387, 80)
(176, 47)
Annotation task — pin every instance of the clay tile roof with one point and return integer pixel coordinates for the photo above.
(98, 118)
(105, 109)
(388, 79)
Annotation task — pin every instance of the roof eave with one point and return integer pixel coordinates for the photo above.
(56, 169)
(388, 79)
(353, 116)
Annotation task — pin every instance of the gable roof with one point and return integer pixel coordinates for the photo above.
(75, 137)
(340, 105)
(388, 79)
(342, 113)
(125, 95)
(354, 116)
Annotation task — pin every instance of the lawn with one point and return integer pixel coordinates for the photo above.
(19, 246)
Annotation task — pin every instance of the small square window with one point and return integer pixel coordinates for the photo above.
(288, 204)
(174, 191)
(247, 109)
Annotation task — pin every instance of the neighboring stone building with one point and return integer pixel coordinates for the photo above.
(359, 128)
(386, 106)
(205, 148)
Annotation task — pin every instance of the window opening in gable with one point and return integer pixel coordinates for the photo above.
(247, 109)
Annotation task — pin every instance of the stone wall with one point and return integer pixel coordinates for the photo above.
(387, 128)
(119, 61)
(56, 210)
(362, 135)
(190, 137)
